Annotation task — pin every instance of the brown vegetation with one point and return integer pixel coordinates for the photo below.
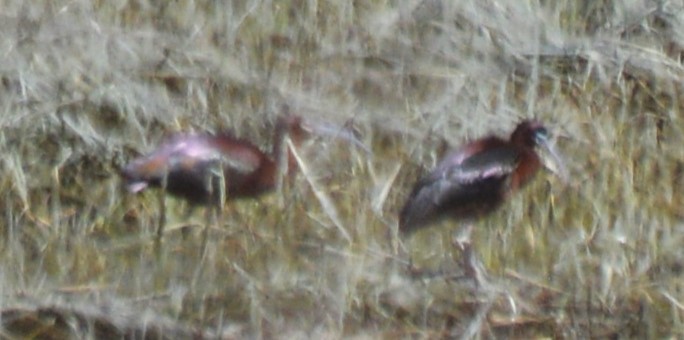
(85, 86)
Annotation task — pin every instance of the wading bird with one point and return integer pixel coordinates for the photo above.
(210, 169)
(476, 179)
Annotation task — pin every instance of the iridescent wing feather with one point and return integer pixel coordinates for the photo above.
(464, 184)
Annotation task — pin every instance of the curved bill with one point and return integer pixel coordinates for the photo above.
(136, 186)
(329, 130)
(552, 160)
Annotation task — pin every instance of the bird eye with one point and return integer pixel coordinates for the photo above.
(541, 135)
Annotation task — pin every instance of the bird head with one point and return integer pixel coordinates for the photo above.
(138, 175)
(149, 170)
(533, 134)
(300, 129)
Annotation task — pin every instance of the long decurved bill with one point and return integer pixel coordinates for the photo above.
(552, 160)
(336, 132)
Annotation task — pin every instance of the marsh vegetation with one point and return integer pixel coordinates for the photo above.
(86, 86)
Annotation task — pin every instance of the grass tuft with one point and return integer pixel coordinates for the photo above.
(87, 86)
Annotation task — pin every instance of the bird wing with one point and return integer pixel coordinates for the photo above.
(202, 151)
(461, 178)
(238, 155)
(497, 162)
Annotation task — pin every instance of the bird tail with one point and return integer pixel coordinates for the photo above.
(415, 214)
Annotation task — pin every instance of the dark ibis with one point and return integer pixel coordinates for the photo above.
(183, 164)
(476, 179)
(205, 168)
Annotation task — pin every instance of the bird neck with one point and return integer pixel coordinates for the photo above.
(528, 165)
(279, 146)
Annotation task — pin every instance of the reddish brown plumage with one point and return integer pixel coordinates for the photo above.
(186, 164)
(475, 179)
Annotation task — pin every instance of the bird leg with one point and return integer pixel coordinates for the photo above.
(282, 167)
(162, 206)
(216, 186)
(471, 265)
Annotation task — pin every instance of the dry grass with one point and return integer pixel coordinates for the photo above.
(85, 86)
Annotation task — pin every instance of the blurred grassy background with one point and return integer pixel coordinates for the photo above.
(86, 86)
